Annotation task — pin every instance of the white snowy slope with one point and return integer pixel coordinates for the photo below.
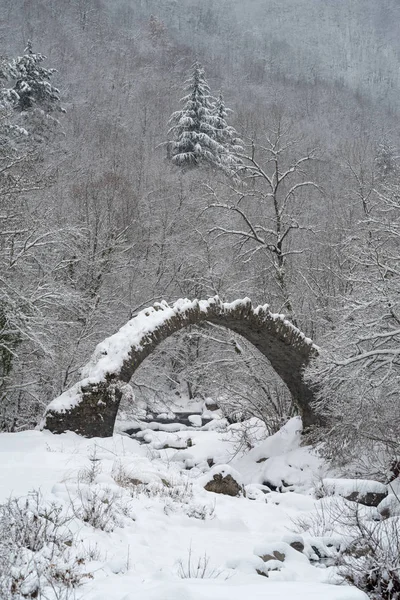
(162, 524)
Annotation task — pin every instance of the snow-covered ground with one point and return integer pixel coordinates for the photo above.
(158, 523)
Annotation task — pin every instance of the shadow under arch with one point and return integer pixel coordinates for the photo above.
(90, 407)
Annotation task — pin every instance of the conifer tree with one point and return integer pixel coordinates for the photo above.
(12, 135)
(194, 128)
(227, 135)
(33, 87)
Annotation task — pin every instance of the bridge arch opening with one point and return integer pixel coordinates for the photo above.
(206, 363)
(89, 408)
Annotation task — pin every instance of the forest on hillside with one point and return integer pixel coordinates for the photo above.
(175, 173)
(97, 221)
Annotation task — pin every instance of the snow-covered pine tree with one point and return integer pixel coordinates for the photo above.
(227, 136)
(12, 135)
(194, 128)
(8, 97)
(33, 87)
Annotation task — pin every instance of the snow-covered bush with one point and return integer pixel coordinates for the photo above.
(365, 548)
(100, 507)
(37, 550)
(318, 523)
(163, 489)
(372, 561)
(247, 434)
(174, 495)
(200, 511)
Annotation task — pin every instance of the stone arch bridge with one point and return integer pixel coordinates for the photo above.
(90, 407)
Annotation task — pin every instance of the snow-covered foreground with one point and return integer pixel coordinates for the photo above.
(160, 525)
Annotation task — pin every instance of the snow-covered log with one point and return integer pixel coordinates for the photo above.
(90, 406)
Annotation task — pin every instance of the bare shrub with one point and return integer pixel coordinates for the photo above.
(30, 523)
(176, 496)
(102, 508)
(88, 474)
(163, 488)
(372, 561)
(37, 551)
(322, 522)
(197, 567)
(369, 555)
(124, 478)
(246, 435)
(202, 512)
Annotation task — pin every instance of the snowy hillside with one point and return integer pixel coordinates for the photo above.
(136, 521)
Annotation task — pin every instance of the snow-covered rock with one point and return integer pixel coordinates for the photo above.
(222, 479)
(389, 507)
(278, 551)
(211, 405)
(295, 541)
(363, 491)
(249, 565)
(195, 420)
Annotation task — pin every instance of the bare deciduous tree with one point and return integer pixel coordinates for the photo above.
(268, 207)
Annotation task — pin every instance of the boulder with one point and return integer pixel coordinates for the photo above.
(256, 491)
(389, 507)
(250, 564)
(211, 405)
(284, 487)
(272, 487)
(295, 541)
(223, 485)
(222, 479)
(363, 491)
(276, 555)
(195, 420)
(298, 546)
(368, 498)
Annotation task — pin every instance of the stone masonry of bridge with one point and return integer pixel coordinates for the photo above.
(90, 407)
